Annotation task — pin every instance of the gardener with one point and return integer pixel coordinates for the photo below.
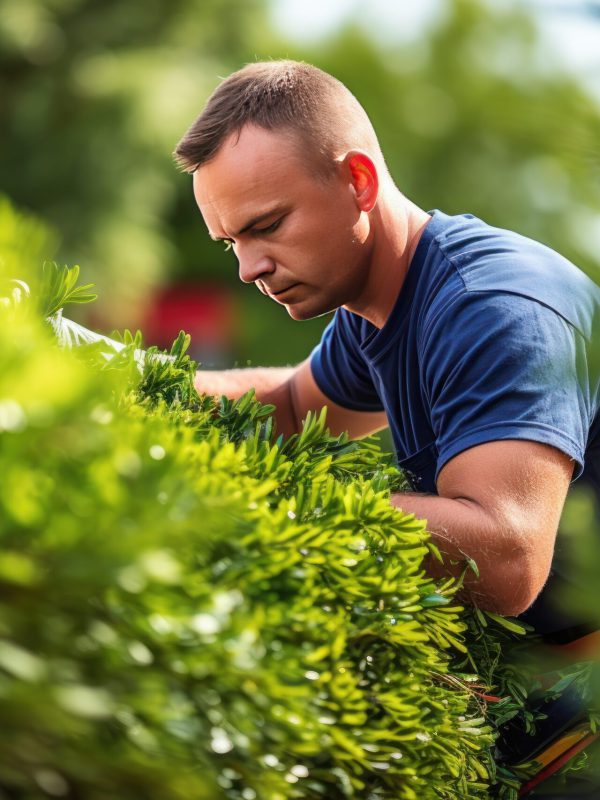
(470, 342)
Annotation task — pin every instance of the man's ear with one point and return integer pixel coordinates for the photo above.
(364, 179)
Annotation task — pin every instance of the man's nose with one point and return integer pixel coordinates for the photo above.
(253, 267)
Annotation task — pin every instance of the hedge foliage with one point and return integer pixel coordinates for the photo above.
(192, 607)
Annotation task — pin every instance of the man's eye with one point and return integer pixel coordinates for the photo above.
(270, 228)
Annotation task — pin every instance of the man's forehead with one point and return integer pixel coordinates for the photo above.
(255, 152)
(248, 176)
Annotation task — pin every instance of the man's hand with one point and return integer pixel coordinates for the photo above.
(498, 503)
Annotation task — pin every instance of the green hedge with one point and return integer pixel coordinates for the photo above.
(192, 607)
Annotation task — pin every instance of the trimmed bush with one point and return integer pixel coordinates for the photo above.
(193, 607)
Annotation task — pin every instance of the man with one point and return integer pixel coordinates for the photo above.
(471, 342)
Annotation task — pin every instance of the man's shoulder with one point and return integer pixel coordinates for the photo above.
(495, 260)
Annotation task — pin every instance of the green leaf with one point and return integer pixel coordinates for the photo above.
(510, 624)
(433, 600)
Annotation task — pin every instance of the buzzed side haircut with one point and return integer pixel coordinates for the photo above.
(282, 95)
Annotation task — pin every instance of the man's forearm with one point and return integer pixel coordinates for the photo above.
(271, 384)
(461, 529)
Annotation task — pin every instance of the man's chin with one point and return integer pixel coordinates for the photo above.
(297, 313)
(303, 311)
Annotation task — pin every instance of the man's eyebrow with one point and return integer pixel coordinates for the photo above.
(251, 223)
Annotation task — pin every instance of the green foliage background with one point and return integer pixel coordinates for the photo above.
(472, 116)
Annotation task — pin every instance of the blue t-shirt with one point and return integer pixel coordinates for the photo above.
(490, 338)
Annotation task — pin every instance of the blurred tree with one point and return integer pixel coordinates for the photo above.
(473, 117)
(94, 96)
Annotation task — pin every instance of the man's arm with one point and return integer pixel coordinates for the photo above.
(499, 503)
(294, 392)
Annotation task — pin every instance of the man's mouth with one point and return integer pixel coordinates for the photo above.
(282, 292)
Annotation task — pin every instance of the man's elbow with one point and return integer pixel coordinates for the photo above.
(498, 602)
(520, 581)
(514, 605)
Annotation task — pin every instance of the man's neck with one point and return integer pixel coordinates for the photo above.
(397, 227)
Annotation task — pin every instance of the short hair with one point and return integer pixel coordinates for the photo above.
(287, 95)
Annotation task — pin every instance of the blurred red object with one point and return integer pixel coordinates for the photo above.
(207, 311)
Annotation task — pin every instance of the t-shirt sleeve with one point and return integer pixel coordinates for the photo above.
(339, 367)
(501, 366)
